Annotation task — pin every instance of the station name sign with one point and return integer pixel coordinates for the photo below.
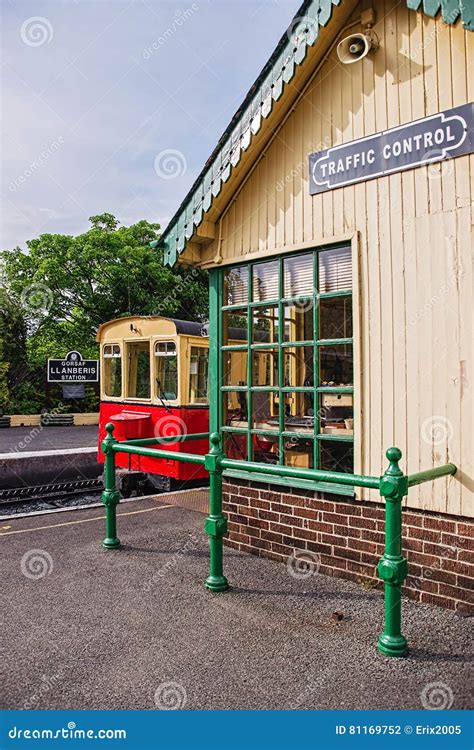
(73, 368)
(432, 139)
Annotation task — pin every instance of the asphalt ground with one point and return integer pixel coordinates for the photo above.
(20, 439)
(135, 628)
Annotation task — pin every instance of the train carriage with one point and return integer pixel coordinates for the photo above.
(154, 384)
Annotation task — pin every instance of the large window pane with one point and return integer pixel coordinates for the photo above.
(336, 365)
(336, 414)
(299, 366)
(235, 327)
(335, 318)
(335, 269)
(166, 370)
(265, 448)
(265, 325)
(298, 276)
(138, 360)
(265, 281)
(299, 412)
(198, 374)
(236, 286)
(298, 321)
(265, 367)
(112, 370)
(235, 368)
(336, 456)
(298, 452)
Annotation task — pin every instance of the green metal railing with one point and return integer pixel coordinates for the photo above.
(393, 486)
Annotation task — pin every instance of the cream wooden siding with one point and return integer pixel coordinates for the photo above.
(414, 229)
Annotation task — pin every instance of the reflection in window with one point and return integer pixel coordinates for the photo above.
(299, 412)
(198, 374)
(265, 281)
(138, 360)
(298, 321)
(299, 366)
(336, 414)
(299, 452)
(235, 368)
(235, 446)
(336, 455)
(265, 325)
(336, 365)
(335, 317)
(235, 408)
(298, 276)
(236, 286)
(166, 370)
(265, 408)
(112, 370)
(335, 269)
(235, 327)
(265, 367)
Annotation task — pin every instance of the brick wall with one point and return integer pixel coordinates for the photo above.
(345, 538)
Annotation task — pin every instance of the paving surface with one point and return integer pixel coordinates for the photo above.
(14, 439)
(112, 629)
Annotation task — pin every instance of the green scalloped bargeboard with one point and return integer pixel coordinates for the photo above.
(302, 32)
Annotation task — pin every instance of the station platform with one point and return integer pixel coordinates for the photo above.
(134, 628)
(26, 439)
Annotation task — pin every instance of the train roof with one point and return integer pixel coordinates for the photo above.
(184, 327)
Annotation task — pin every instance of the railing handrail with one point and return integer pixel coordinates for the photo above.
(425, 476)
(393, 486)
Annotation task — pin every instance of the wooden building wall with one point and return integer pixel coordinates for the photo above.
(413, 229)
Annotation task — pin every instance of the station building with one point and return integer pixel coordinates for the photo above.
(335, 219)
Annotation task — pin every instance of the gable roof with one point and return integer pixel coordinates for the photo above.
(268, 88)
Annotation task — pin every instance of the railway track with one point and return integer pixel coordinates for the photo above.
(57, 494)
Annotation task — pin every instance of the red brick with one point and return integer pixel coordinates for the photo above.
(440, 601)
(465, 608)
(291, 520)
(373, 536)
(331, 539)
(435, 574)
(424, 534)
(439, 551)
(267, 515)
(271, 536)
(466, 556)
(411, 519)
(362, 545)
(323, 505)
(456, 593)
(241, 538)
(344, 531)
(336, 518)
(363, 523)
(465, 582)
(466, 529)
(272, 497)
(324, 549)
(349, 554)
(460, 542)
(296, 500)
(440, 524)
(455, 566)
(413, 544)
(249, 492)
(261, 504)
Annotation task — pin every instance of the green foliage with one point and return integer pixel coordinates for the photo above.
(63, 287)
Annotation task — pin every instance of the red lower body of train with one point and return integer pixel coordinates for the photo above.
(133, 421)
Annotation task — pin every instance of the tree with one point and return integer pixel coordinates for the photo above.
(67, 286)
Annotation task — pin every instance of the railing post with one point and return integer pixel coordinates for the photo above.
(392, 568)
(215, 524)
(110, 495)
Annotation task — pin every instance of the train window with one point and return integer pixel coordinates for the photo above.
(112, 370)
(166, 370)
(198, 374)
(138, 360)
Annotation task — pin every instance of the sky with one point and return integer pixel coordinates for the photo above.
(115, 105)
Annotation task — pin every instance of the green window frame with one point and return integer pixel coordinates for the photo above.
(327, 360)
